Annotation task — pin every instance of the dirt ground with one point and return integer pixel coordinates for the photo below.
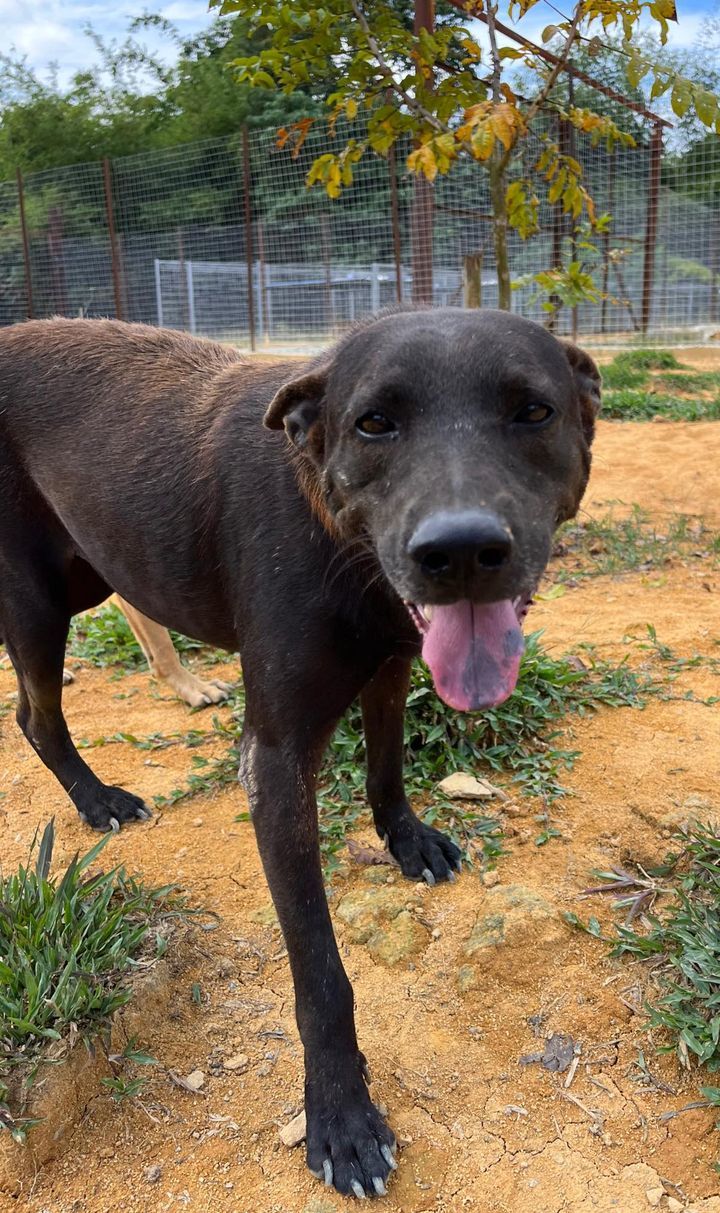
(444, 1034)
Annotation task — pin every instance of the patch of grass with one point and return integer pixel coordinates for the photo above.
(618, 375)
(65, 947)
(688, 381)
(104, 638)
(605, 546)
(647, 360)
(631, 404)
(641, 384)
(672, 922)
(521, 741)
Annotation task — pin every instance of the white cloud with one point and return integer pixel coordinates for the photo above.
(51, 32)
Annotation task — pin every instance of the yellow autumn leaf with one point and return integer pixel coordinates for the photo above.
(482, 142)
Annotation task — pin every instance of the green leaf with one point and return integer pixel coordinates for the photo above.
(706, 106)
(681, 98)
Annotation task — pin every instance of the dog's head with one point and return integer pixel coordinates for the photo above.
(454, 442)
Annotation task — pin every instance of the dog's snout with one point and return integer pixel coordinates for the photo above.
(459, 545)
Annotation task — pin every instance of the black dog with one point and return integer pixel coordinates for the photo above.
(431, 455)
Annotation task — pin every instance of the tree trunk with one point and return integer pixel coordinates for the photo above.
(498, 192)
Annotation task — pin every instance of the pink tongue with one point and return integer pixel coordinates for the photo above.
(473, 651)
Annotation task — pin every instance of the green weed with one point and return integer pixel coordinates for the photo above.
(632, 404)
(632, 393)
(520, 741)
(607, 546)
(671, 921)
(65, 946)
(104, 638)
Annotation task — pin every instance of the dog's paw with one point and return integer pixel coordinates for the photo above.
(423, 853)
(349, 1145)
(110, 808)
(198, 692)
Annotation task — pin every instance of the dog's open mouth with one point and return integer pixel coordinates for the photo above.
(473, 649)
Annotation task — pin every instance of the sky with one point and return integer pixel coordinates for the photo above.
(51, 31)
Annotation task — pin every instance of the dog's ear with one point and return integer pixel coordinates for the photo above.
(297, 408)
(587, 384)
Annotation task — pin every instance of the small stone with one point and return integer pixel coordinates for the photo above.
(198, 821)
(490, 879)
(436, 933)
(238, 1062)
(467, 978)
(225, 966)
(654, 1195)
(399, 940)
(195, 1080)
(674, 1205)
(106, 1152)
(519, 918)
(466, 787)
(294, 1131)
(152, 1174)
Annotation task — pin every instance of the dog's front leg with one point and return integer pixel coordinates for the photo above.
(422, 852)
(348, 1143)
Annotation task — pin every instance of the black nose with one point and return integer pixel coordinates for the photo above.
(458, 545)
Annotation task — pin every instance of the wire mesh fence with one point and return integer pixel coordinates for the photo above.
(223, 238)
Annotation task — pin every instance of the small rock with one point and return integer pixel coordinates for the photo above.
(238, 1062)
(466, 787)
(195, 1080)
(106, 1152)
(152, 1174)
(488, 932)
(490, 879)
(654, 1195)
(436, 933)
(225, 966)
(198, 821)
(519, 918)
(467, 978)
(674, 1205)
(294, 1131)
(399, 940)
(364, 910)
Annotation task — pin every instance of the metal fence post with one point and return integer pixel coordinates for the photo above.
(395, 221)
(114, 247)
(249, 257)
(422, 227)
(656, 146)
(158, 293)
(25, 244)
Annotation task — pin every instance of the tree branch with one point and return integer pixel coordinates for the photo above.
(389, 74)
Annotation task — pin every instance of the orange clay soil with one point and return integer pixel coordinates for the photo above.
(444, 1032)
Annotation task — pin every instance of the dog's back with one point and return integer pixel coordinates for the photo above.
(95, 415)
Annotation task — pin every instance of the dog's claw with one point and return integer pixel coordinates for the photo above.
(328, 1173)
(428, 876)
(366, 1072)
(114, 825)
(451, 876)
(144, 814)
(357, 1190)
(458, 865)
(379, 1186)
(387, 1153)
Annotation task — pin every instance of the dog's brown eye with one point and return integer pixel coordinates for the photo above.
(534, 414)
(375, 425)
